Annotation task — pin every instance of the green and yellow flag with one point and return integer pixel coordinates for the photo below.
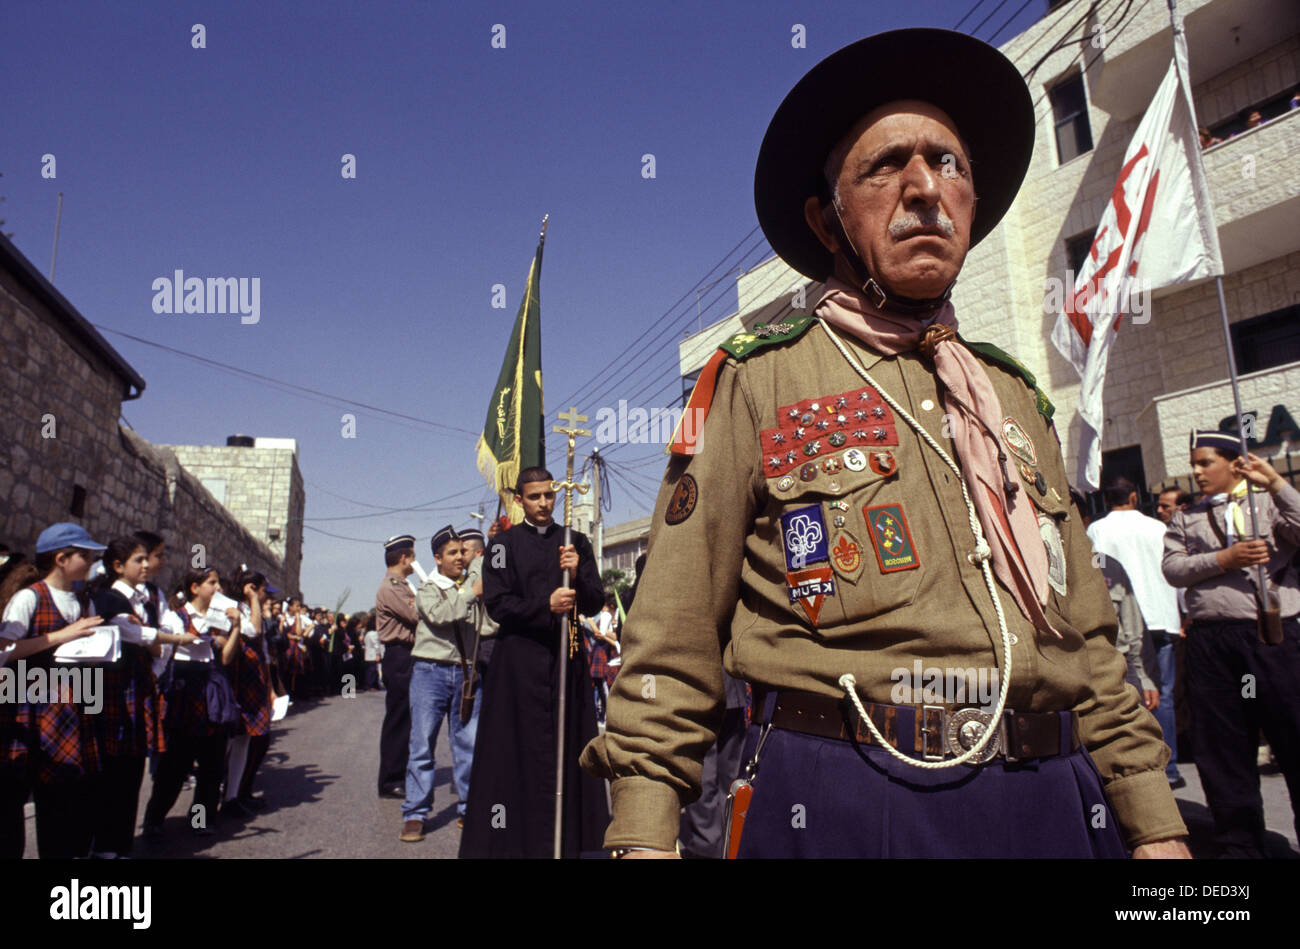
(514, 437)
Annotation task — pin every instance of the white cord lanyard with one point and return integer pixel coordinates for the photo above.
(980, 556)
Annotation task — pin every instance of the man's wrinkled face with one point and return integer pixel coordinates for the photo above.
(906, 197)
(1167, 505)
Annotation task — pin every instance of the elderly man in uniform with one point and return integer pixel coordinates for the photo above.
(870, 495)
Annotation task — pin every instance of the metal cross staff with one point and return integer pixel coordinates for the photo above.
(568, 635)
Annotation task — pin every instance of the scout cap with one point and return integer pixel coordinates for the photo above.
(472, 533)
(1223, 441)
(400, 542)
(442, 538)
(971, 81)
(66, 534)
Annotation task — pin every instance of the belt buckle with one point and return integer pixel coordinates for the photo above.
(936, 731)
(966, 727)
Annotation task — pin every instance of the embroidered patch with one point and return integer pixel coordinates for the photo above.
(803, 534)
(682, 503)
(809, 588)
(814, 426)
(883, 462)
(1050, 531)
(846, 555)
(1018, 441)
(891, 538)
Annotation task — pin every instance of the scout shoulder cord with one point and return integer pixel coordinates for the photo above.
(979, 556)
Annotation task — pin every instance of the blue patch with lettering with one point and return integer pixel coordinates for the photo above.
(804, 536)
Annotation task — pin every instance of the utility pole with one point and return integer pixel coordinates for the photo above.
(597, 522)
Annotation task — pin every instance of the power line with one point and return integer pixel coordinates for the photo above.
(282, 385)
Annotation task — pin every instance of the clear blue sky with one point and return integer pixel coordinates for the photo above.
(225, 161)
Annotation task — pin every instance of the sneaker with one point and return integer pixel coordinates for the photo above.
(412, 831)
(394, 790)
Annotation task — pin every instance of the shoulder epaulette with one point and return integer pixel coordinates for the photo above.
(767, 334)
(1007, 361)
(742, 345)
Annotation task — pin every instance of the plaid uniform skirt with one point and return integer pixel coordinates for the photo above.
(598, 656)
(187, 703)
(253, 692)
(296, 661)
(122, 726)
(49, 743)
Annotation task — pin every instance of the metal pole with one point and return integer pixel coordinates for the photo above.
(58, 217)
(1261, 572)
(597, 522)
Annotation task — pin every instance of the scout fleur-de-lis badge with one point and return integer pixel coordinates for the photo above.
(803, 532)
(846, 555)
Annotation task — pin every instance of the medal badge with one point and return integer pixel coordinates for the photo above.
(1018, 442)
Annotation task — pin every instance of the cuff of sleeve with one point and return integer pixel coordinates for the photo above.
(1145, 808)
(646, 814)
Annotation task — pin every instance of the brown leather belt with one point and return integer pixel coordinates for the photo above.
(929, 731)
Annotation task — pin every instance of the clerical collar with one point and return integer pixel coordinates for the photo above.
(537, 529)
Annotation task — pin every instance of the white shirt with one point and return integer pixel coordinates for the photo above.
(198, 652)
(18, 614)
(1138, 543)
(604, 621)
(141, 632)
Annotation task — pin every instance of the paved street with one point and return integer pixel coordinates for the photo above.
(319, 784)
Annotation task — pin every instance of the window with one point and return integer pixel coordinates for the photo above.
(1076, 250)
(1070, 112)
(1263, 342)
(216, 487)
(1125, 463)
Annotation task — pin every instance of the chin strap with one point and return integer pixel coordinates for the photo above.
(868, 284)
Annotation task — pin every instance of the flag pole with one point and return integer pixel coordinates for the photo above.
(1180, 43)
(567, 639)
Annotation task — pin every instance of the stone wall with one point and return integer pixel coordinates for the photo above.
(263, 490)
(63, 445)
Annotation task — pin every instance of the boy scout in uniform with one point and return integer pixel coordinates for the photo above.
(872, 495)
(1238, 683)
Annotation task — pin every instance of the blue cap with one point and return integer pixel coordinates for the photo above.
(66, 534)
(272, 590)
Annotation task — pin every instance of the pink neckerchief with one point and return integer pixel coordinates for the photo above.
(1019, 557)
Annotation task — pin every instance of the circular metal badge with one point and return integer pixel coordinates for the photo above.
(808, 471)
(785, 483)
(855, 459)
(965, 728)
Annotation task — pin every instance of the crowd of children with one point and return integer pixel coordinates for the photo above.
(180, 682)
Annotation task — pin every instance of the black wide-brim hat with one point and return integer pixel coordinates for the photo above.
(975, 84)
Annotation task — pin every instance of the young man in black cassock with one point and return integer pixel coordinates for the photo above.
(512, 786)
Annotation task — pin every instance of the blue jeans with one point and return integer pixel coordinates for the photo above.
(1165, 712)
(434, 695)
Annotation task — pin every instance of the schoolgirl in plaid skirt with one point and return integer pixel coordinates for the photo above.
(125, 726)
(200, 708)
(252, 693)
(47, 743)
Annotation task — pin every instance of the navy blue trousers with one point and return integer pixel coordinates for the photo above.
(823, 798)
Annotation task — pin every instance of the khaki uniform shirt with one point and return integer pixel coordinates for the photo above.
(477, 614)
(395, 611)
(443, 606)
(891, 586)
(1191, 556)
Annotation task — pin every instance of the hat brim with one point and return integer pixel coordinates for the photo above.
(972, 82)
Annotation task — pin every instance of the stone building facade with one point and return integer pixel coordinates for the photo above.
(64, 456)
(1169, 373)
(259, 484)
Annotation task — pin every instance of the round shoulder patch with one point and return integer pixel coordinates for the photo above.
(682, 503)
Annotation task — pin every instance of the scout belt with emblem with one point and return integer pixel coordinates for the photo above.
(931, 732)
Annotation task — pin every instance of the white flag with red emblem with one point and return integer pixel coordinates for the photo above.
(1158, 229)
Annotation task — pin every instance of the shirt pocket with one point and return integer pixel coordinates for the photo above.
(1052, 512)
(848, 549)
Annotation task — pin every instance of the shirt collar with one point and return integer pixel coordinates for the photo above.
(133, 594)
(537, 529)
